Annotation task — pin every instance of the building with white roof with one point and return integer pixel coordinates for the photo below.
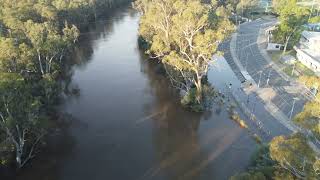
(308, 50)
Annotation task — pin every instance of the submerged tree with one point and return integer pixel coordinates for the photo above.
(184, 35)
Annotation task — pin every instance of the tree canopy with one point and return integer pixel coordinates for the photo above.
(309, 118)
(291, 17)
(35, 37)
(285, 157)
(184, 35)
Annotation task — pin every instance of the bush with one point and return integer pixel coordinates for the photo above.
(257, 138)
(237, 119)
(189, 101)
(143, 44)
(208, 94)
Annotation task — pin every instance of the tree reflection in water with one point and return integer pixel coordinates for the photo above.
(180, 151)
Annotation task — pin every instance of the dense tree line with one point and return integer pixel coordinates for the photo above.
(35, 38)
(185, 35)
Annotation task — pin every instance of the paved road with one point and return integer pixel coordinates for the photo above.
(276, 96)
(268, 125)
(260, 69)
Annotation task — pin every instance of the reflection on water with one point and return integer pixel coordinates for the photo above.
(129, 123)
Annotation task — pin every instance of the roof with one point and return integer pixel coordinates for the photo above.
(312, 27)
(311, 35)
(309, 3)
(314, 54)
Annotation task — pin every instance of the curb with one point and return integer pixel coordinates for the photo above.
(271, 108)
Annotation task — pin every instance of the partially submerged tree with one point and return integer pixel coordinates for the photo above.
(184, 35)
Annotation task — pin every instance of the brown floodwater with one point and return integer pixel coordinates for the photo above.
(128, 123)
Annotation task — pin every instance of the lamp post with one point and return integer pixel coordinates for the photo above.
(293, 68)
(269, 77)
(248, 99)
(260, 79)
(247, 61)
(293, 104)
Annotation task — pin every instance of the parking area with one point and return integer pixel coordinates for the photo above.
(262, 72)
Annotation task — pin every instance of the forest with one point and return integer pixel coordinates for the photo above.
(36, 37)
(184, 37)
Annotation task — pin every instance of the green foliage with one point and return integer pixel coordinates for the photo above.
(184, 35)
(284, 158)
(291, 157)
(35, 37)
(315, 19)
(310, 115)
(245, 6)
(249, 176)
(21, 116)
(294, 154)
(291, 17)
(190, 101)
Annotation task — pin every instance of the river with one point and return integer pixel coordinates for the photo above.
(129, 124)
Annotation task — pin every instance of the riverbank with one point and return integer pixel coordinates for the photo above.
(129, 119)
(54, 83)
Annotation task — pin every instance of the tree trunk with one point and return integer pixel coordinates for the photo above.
(19, 153)
(40, 62)
(286, 45)
(199, 88)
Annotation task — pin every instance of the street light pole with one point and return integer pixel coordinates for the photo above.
(294, 102)
(260, 79)
(269, 77)
(247, 61)
(293, 68)
(254, 105)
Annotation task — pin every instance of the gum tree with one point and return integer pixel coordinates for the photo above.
(21, 119)
(291, 17)
(184, 35)
(309, 118)
(50, 46)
